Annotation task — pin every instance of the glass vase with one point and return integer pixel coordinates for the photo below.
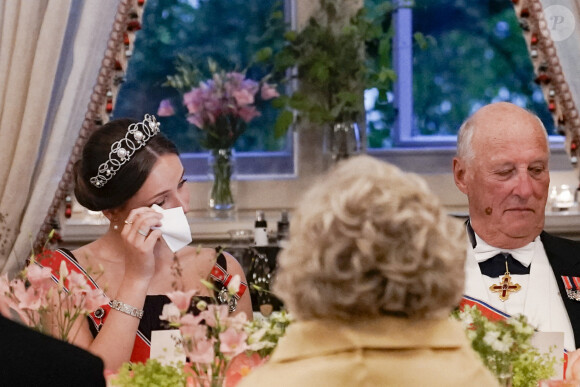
(343, 140)
(221, 171)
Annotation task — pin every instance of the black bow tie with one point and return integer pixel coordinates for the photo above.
(495, 266)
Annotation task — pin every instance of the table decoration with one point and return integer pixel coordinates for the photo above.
(341, 51)
(34, 298)
(220, 349)
(221, 107)
(504, 347)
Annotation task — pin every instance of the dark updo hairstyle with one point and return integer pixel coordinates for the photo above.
(128, 179)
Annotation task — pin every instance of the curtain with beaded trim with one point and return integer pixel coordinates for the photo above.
(562, 20)
(47, 72)
(551, 29)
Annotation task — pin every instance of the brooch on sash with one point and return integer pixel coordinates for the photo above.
(505, 286)
(572, 285)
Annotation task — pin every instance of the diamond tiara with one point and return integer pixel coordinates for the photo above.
(138, 134)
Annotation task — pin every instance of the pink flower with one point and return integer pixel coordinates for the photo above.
(241, 366)
(268, 92)
(193, 100)
(215, 314)
(196, 120)
(201, 351)
(77, 281)
(233, 342)
(39, 277)
(94, 299)
(182, 299)
(191, 327)
(238, 321)
(248, 113)
(28, 298)
(165, 108)
(250, 85)
(243, 97)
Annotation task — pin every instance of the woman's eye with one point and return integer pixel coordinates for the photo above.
(161, 203)
(181, 183)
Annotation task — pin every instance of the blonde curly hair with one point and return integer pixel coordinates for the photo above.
(371, 240)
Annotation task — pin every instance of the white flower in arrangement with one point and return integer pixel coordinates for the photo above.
(504, 346)
(521, 328)
(491, 337)
(170, 313)
(234, 284)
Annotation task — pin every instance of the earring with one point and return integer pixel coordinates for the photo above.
(115, 227)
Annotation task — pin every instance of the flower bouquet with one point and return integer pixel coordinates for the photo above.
(221, 107)
(220, 349)
(50, 307)
(505, 349)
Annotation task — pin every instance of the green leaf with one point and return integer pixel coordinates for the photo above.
(290, 35)
(420, 40)
(280, 102)
(264, 54)
(283, 122)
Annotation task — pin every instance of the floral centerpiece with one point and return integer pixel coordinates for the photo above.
(221, 107)
(36, 300)
(505, 349)
(220, 349)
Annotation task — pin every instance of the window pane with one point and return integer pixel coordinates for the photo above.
(230, 32)
(478, 56)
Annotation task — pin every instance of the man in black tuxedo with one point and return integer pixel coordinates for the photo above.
(502, 165)
(29, 358)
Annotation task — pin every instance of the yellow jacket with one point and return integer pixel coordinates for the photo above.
(385, 351)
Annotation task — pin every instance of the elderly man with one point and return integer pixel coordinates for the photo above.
(512, 265)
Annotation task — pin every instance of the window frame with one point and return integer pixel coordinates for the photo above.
(414, 152)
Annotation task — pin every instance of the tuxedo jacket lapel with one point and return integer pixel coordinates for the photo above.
(564, 257)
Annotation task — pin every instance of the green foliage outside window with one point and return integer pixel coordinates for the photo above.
(477, 55)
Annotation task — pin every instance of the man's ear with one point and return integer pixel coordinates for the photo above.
(459, 174)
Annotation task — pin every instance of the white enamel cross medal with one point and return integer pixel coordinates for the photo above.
(505, 286)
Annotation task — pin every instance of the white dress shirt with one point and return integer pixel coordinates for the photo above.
(539, 297)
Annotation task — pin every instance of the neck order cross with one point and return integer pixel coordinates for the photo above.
(505, 286)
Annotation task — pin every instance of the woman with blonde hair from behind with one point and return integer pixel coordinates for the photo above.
(372, 271)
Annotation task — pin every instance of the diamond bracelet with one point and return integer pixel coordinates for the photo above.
(128, 309)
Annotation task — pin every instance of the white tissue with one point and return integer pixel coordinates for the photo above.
(174, 227)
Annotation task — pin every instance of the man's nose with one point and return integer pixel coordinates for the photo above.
(524, 185)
